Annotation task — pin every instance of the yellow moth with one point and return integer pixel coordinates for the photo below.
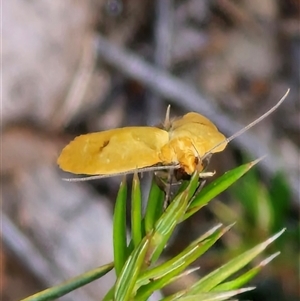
(181, 144)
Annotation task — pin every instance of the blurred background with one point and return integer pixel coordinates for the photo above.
(78, 66)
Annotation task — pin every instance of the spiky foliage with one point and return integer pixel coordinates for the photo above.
(138, 271)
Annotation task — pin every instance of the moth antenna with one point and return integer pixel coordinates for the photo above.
(250, 125)
(167, 122)
(145, 169)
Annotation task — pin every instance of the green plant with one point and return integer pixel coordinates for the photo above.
(138, 271)
(260, 209)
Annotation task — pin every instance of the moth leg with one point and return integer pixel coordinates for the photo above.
(164, 180)
(206, 174)
(168, 190)
(205, 162)
(160, 179)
